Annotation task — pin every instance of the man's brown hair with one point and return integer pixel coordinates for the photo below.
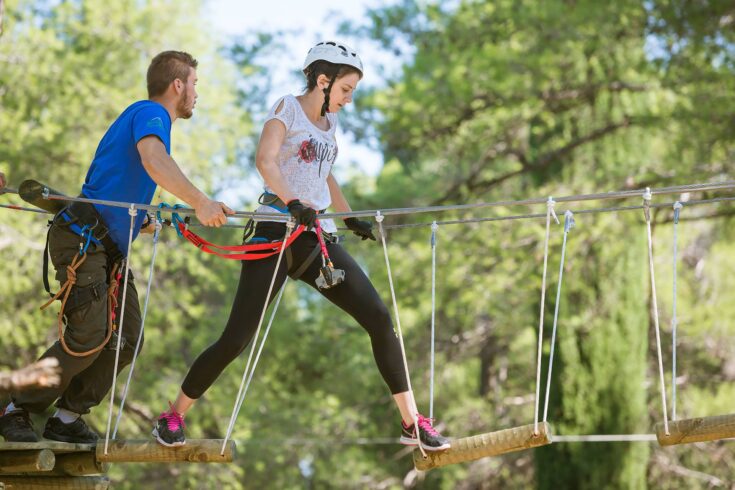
(167, 67)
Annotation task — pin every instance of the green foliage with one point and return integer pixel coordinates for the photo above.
(493, 101)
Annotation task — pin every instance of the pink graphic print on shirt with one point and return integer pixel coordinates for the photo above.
(312, 149)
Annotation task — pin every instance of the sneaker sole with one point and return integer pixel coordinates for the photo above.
(432, 449)
(407, 441)
(164, 443)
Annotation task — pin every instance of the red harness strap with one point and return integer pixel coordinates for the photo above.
(241, 252)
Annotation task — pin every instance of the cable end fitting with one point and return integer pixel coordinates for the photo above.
(379, 217)
(677, 210)
(647, 194)
(569, 222)
(550, 206)
(132, 211)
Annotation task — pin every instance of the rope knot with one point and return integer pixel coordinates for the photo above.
(71, 275)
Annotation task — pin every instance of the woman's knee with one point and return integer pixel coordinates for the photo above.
(377, 319)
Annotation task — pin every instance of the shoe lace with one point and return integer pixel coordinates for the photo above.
(173, 419)
(425, 425)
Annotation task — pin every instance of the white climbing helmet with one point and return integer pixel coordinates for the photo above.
(333, 52)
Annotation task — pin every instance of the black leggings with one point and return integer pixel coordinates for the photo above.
(356, 296)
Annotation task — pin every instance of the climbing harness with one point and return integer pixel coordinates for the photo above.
(246, 251)
(328, 275)
(84, 220)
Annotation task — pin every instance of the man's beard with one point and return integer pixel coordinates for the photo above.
(182, 109)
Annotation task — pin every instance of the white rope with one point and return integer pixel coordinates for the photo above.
(262, 344)
(549, 212)
(568, 225)
(677, 209)
(414, 409)
(434, 228)
(647, 214)
(156, 234)
(133, 213)
(236, 407)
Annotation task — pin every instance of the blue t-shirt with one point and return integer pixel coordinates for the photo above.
(117, 173)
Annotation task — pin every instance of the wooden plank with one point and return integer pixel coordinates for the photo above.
(484, 445)
(150, 451)
(72, 464)
(701, 429)
(54, 483)
(79, 464)
(22, 461)
(56, 447)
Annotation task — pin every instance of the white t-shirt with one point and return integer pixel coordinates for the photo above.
(305, 158)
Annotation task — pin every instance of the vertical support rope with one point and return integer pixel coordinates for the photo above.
(549, 212)
(647, 214)
(414, 408)
(262, 344)
(434, 228)
(568, 225)
(677, 209)
(133, 213)
(237, 405)
(156, 235)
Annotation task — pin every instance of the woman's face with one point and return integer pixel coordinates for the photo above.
(342, 90)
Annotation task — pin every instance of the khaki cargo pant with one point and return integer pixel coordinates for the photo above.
(85, 381)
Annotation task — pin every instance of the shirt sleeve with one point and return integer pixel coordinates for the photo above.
(153, 120)
(287, 113)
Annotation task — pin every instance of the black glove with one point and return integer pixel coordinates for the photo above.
(363, 229)
(304, 215)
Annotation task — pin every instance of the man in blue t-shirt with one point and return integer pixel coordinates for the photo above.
(132, 158)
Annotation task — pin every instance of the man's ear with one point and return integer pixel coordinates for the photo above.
(178, 85)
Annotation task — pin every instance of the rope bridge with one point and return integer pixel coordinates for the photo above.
(41, 459)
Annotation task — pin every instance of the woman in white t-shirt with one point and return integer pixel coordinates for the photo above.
(295, 156)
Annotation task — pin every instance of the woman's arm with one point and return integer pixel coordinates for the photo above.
(271, 139)
(339, 202)
(363, 229)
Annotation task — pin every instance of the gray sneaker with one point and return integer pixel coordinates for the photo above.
(16, 426)
(169, 429)
(430, 439)
(77, 432)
